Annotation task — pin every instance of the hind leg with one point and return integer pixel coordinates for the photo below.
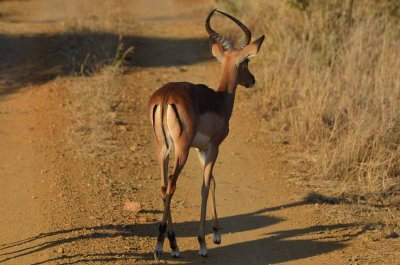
(169, 187)
(163, 158)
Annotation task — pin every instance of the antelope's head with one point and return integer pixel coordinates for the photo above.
(222, 49)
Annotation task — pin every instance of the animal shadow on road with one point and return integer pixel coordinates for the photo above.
(274, 247)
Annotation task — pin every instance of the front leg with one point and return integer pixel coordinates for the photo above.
(209, 157)
(216, 228)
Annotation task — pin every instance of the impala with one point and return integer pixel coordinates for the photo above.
(185, 115)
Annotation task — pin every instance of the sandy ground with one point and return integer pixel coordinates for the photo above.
(67, 167)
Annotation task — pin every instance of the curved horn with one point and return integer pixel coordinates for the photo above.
(226, 44)
(246, 31)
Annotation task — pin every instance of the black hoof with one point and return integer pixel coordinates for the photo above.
(217, 242)
(175, 254)
(203, 253)
(157, 255)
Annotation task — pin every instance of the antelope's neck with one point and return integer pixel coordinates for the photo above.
(228, 86)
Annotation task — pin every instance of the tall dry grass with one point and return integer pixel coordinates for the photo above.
(93, 44)
(332, 86)
(95, 52)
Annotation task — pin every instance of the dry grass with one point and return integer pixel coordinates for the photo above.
(331, 85)
(93, 44)
(97, 55)
(93, 102)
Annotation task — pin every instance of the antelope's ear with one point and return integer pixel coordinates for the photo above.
(250, 50)
(217, 50)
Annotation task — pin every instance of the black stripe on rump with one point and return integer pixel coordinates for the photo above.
(154, 118)
(178, 118)
(162, 127)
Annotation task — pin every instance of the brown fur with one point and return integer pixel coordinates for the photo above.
(186, 115)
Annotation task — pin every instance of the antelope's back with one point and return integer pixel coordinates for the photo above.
(198, 98)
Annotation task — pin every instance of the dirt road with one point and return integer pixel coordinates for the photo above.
(75, 149)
